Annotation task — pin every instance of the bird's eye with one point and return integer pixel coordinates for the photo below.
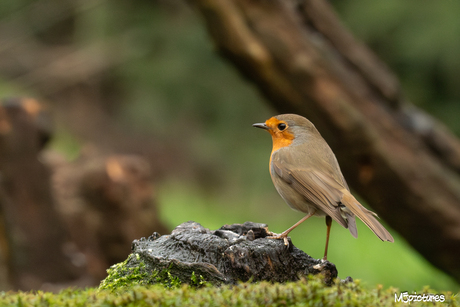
(282, 126)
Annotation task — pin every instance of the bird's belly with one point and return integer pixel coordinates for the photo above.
(294, 199)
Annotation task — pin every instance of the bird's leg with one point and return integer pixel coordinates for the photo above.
(328, 224)
(285, 233)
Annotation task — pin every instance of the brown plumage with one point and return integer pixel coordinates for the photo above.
(306, 174)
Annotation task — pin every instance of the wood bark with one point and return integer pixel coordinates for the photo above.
(233, 253)
(404, 163)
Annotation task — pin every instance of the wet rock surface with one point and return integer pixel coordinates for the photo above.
(238, 252)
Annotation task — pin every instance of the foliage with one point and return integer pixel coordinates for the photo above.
(307, 292)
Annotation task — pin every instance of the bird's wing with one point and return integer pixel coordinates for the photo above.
(368, 217)
(320, 191)
(327, 194)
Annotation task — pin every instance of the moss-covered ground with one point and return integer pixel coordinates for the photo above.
(307, 292)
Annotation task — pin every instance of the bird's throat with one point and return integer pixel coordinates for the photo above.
(281, 139)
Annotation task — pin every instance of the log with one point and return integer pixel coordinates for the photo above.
(233, 253)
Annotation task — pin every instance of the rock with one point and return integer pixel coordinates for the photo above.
(238, 252)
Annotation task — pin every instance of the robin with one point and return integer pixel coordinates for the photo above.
(306, 174)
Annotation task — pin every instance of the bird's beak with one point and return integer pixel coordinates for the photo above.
(261, 125)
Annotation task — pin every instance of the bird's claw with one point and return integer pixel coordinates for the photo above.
(277, 236)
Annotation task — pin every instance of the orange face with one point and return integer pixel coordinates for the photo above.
(279, 130)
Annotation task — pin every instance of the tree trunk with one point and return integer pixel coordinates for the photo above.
(400, 160)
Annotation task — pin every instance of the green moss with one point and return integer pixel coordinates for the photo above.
(130, 283)
(133, 272)
(307, 292)
(197, 281)
(121, 275)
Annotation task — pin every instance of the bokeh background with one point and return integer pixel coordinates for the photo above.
(143, 77)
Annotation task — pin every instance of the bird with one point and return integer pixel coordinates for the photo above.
(306, 174)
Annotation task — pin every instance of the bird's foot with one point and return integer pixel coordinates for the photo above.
(277, 236)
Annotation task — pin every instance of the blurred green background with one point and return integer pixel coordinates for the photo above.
(172, 85)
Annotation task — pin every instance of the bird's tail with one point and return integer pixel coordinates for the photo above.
(365, 215)
(351, 223)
